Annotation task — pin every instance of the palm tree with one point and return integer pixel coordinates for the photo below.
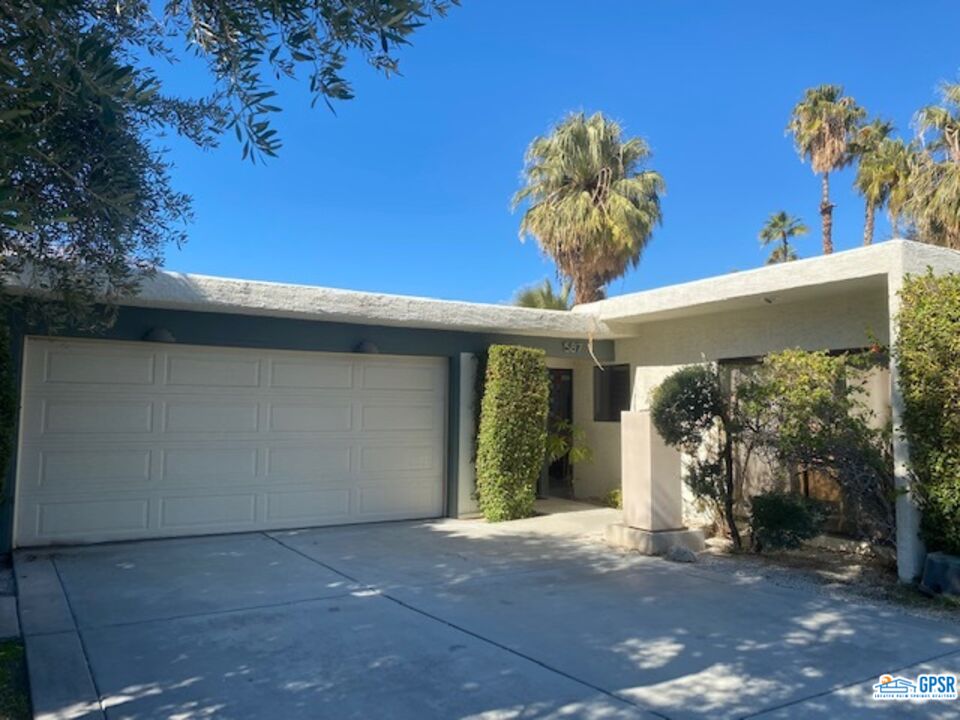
(902, 158)
(822, 124)
(944, 120)
(544, 297)
(590, 204)
(875, 176)
(779, 228)
(933, 202)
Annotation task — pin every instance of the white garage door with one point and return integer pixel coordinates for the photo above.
(132, 440)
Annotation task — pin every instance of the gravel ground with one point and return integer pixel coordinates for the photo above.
(837, 574)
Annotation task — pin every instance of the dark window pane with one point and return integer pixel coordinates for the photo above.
(611, 392)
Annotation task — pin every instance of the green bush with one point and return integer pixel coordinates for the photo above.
(694, 413)
(928, 354)
(614, 499)
(784, 520)
(513, 431)
(809, 411)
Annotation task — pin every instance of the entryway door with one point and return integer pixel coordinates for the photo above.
(124, 440)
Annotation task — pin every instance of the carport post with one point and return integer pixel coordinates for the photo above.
(910, 549)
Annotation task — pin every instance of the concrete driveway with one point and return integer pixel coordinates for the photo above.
(448, 619)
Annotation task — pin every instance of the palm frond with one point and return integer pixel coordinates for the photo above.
(590, 202)
(544, 297)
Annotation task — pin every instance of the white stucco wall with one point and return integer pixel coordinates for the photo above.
(595, 478)
(832, 322)
(837, 321)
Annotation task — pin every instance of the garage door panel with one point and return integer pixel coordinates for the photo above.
(398, 417)
(87, 417)
(211, 370)
(306, 375)
(386, 501)
(308, 463)
(397, 376)
(90, 519)
(94, 366)
(54, 470)
(323, 506)
(216, 465)
(138, 440)
(392, 458)
(210, 417)
(233, 510)
(304, 417)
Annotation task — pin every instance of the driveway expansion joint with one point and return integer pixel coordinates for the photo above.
(475, 635)
(529, 658)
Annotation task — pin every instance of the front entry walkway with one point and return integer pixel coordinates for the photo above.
(447, 619)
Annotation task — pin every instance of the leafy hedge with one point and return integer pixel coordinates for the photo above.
(928, 353)
(513, 431)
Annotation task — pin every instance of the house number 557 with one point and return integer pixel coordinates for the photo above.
(572, 347)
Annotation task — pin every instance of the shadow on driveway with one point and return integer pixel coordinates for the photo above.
(449, 619)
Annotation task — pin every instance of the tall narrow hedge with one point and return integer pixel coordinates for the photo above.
(928, 353)
(513, 431)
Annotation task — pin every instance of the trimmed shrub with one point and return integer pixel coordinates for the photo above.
(513, 431)
(693, 413)
(784, 520)
(928, 354)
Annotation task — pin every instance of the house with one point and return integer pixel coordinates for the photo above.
(894, 687)
(218, 405)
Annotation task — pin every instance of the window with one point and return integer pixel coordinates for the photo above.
(611, 392)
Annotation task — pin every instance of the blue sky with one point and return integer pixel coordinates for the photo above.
(407, 188)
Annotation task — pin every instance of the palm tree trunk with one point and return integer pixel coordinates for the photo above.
(586, 288)
(786, 247)
(868, 223)
(826, 214)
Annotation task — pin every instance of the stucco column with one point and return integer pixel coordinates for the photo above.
(466, 417)
(652, 491)
(910, 550)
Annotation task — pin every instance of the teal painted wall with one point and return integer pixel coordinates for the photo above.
(221, 329)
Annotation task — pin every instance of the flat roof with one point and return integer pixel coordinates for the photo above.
(865, 268)
(860, 269)
(180, 291)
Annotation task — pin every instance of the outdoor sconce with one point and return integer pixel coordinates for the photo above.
(159, 334)
(365, 346)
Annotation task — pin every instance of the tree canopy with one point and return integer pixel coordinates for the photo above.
(823, 124)
(544, 297)
(933, 202)
(591, 204)
(86, 201)
(779, 229)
